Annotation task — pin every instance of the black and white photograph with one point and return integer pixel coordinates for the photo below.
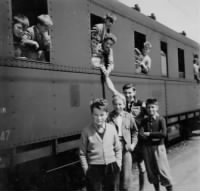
(99, 95)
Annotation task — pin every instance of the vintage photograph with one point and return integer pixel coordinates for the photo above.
(99, 95)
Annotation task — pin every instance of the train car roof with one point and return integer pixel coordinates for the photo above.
(138, 17)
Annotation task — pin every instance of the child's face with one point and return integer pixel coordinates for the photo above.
(108, 23)
(118, 105)
(146, 50)
(43, 28)
(196, 61)
(129, 94)
(99, 117)
(152, 109)
(107, 44)
(18, 30)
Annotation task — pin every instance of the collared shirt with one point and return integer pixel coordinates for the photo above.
(134, 107)
(156, 125)
(101, 130)
(119, 124)
(128, 126)
(95, 150)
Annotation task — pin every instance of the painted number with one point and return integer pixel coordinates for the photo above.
(4, 135)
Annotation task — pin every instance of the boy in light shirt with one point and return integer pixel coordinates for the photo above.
(127, 132)
(100, 151)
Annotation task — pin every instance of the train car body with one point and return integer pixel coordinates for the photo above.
(45, 105)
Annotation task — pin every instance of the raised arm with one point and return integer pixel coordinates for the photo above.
(111, 86)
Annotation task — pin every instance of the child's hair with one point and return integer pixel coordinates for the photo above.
(111, 17)
(116, 97)
(147, 44)
(153, 101)
(128, 86)
(99, 103)
(21, 19)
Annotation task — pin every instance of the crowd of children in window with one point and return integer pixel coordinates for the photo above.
(35, 42)
(102, 41)
(134, 129)
(32, 42)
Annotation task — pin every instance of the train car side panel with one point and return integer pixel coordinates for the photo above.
(70, 35)
(44, 105)
(181, 97)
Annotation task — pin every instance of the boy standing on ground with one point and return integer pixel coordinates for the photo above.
(127, 132)
(136, 108)
(100, 150)
(153, 132)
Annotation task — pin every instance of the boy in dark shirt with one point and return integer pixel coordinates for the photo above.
(153, 132)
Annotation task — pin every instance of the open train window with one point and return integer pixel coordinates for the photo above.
(164, 58)
(181, 63)
(139, 39)
(94, 19)
(31, 24)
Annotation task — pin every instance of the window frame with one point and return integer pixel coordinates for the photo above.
(23, 7)
(164, 51)
(181, 62)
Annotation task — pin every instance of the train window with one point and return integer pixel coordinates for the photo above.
(139, 40)
(141, 51)
(101, 41)
(31, 24)
(181, 63)
(164, 60)
(94, 19)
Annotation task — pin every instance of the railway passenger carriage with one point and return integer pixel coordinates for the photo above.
(45, 105)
